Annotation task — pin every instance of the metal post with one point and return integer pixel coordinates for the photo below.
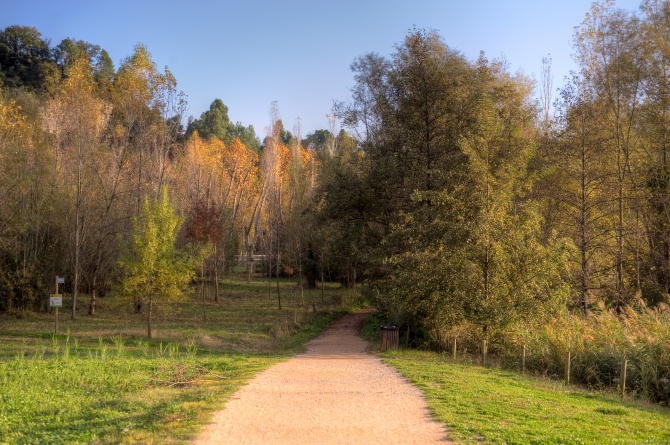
(567, 368)
(523, 359)
(454, 348)
(484, 351)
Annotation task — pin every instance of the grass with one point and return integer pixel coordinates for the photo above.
(104, 382)
(494, 406)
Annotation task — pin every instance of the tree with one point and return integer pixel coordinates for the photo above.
(578, 203)
(213, 122)
(101, 65)
(32, 241)
(75, 118)
(155, 271)
(655, 115)
(204, 228)
(443, 198)
(25, 58)
(610, 51)
(216, 123)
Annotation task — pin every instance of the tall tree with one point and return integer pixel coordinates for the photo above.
(216, 123)
(25, 58)
(610, 53)
(576, 189)
(447, 144)
(75, 118)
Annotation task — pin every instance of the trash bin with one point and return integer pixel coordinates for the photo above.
(389, 337)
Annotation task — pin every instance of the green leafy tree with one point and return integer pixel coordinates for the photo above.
(156, 271)
(216, 123)
(453, 237)
(101, 65)
(25, 58)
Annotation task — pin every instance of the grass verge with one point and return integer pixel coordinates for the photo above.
(493, 406)
(103, 382)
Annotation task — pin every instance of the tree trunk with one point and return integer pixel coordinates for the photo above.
(149, 334)
(250, 264)
(77, 248)
(302, 290)
(620, 244)
(216, 276)
(202, 288)
(583, 245)
(278, 293)
(91, 309)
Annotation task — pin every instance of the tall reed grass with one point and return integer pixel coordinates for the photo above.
(598, 344)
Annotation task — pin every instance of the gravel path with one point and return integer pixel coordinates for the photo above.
(335, 393)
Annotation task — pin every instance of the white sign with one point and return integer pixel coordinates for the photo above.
(55, 300)
(60, 280)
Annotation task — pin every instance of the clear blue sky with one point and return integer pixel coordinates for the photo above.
(250, 52)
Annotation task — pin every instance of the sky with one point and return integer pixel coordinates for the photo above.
(250, 53)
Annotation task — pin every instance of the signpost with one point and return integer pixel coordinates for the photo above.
(56, 300)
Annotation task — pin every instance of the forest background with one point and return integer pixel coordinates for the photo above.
(468, 207)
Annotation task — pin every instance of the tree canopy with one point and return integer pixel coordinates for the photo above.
(216, 123)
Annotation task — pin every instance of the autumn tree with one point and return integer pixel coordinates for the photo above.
(203, 227)
(75, 117)
(578, 204)
(609, 50)
(443, 190)
(32, 244)
(655, 119)
(155, 270)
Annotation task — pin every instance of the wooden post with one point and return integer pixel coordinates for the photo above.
(624, 365)
(523, 359)
(567, 368)
(453, 349)
(484, 351)
(56, 307)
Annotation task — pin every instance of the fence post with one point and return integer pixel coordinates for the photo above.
(523, 359)
(484, 351)
(567, 368)
(624, 365)
(453, 348)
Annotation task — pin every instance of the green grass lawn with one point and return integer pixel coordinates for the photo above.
(104, 382)
(492, 406)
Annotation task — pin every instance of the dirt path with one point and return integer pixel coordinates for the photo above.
(335, 393)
